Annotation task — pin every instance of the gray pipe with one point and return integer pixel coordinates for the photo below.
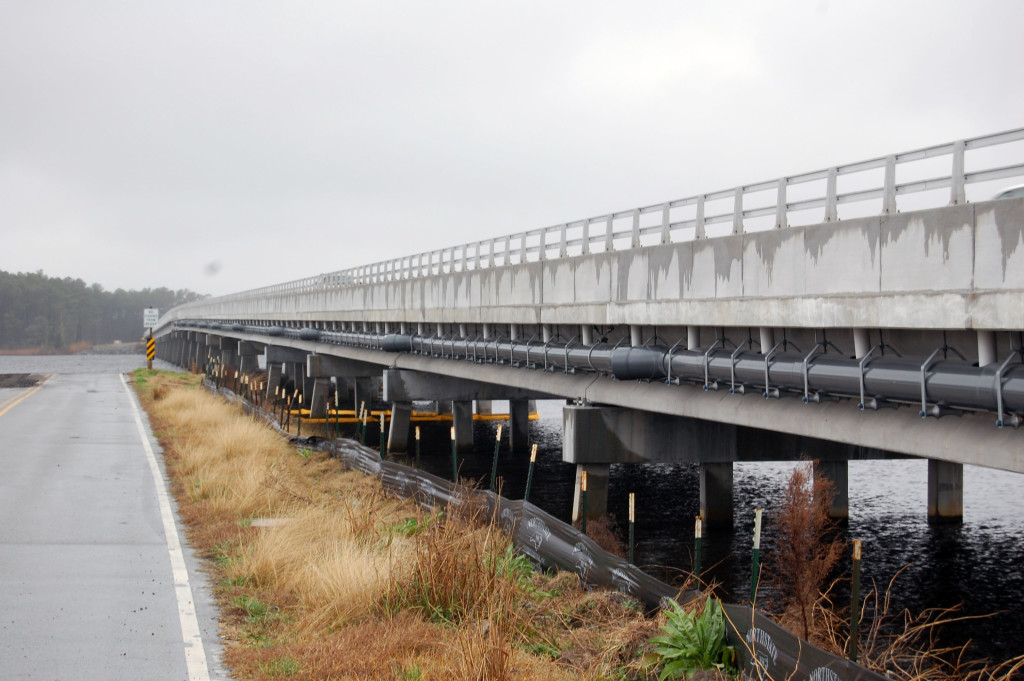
(950, 383)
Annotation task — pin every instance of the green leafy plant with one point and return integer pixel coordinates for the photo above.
(693, 642)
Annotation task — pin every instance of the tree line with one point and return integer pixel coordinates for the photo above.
(37, 311)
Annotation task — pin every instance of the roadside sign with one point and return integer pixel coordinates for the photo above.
(150, 316)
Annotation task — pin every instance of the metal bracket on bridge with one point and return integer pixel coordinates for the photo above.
(1011, 419)
(671, 350)
(528, 365)
(496, 339)
(707, 384)
(937, 410)
(545, 348)
(742, 389)
(568, 369)
(769, 391)
(863, 404)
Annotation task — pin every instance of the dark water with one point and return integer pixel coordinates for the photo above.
(979, 564)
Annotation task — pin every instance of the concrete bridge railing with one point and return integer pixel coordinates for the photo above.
(878, 184)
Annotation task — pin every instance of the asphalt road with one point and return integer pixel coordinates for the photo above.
(93, 582)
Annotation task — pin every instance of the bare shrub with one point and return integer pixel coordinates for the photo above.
(807, 550)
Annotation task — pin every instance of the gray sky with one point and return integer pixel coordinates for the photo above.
(220, 146)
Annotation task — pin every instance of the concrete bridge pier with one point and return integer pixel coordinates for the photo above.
(400, 427)
(317, 399)
(597, 491)
(229, 360)
(364, 390)
(273, 380)
(838, 473)
(945, 491)
(462, 421)
(519, 426)
(248, 357)
(594, 435)
(716, 493)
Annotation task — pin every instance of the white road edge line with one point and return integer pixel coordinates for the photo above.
(195, 653)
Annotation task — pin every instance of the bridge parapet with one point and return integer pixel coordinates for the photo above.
(957, 267)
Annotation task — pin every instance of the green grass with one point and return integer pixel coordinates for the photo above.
(282, 666)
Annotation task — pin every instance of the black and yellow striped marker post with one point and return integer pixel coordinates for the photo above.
(150, 351)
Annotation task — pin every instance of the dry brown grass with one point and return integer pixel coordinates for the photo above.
(348, 583)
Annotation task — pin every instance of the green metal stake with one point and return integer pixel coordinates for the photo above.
(361, 423)
(583, 500)
(755, 573)
(529, 475)
(494, 463)
(855, 601)
(417, 446)
(698, 540)
(362, 432)
(455, 459)
(632, 523)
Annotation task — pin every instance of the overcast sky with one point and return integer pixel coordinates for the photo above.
(224, 145)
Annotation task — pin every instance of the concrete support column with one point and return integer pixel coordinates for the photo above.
(945, 491)
(545, 332)
(519, 426)
(317, 401)
(248, 363)
(636, 335)
(363, 392)
(838, 473)
(692, 337)
(398, 433)
(986, 348)
(861, 342)
(597, 491)
(513, 331)
(767, 339)
(229, 358)
(344, 388)
(273, 378)
(716, 494)
(587, 335)
(484, 407)
(462, 419)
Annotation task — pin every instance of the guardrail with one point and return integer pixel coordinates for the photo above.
(689, 219)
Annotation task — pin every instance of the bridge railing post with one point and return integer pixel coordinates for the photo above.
(737, 211)
(831, 197)
(958, 194)
(698, 221)
(781, 209)
(889, 191)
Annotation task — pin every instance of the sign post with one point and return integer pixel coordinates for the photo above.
(150, 317)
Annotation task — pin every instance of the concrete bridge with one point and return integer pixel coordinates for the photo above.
(853, 312)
